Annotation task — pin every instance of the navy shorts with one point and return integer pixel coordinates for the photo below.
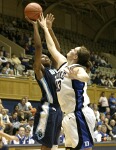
(47, 124)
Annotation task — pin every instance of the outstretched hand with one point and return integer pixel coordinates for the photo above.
(49, 20)
(42, 21)
(31, 21)
(71, 73)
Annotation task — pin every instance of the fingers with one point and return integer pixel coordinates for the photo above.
(50, 17)
(41, 16)
(30, 21)
(27, 19)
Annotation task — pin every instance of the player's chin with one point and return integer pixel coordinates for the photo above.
(46, 64)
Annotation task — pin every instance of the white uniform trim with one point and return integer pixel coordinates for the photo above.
(90, 119)
(43, 121)
(48, 93)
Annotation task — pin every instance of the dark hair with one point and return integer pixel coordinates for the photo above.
(84, 57)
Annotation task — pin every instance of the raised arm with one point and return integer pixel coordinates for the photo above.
(59, 58)
(38, 50)
(49, 21)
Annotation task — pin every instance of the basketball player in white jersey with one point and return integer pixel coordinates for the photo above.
(71, 81)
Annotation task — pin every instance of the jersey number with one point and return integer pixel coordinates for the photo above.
(58, 85)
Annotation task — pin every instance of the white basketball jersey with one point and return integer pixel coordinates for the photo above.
(71, 93)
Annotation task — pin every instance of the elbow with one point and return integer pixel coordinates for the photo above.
(87, 78)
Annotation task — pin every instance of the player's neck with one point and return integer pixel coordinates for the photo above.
(71, 62)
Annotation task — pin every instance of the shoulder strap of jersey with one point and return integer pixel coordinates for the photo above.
(75, 65)
(62, 65)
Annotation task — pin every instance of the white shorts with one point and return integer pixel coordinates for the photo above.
(79, 128)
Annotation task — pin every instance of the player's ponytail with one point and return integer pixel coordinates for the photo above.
(84, 57)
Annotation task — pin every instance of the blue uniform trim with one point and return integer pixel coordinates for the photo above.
(78, 88)
(85, 139)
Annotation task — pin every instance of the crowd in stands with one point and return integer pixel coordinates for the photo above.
(101, 72)
(14, 66)
(105, 113)
(20, 121)
(20, 32)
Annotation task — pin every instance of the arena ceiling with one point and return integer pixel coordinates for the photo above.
(81, 6)
(104, 11)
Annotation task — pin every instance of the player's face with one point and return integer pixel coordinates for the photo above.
(73, 53)
(45, 60)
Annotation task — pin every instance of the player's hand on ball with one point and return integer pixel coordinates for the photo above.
(49, 20)
(31, 21)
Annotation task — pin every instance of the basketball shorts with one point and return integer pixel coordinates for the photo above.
(79, 128)
(47, 124)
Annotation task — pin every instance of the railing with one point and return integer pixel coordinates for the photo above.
(15, 88)
(98, 146)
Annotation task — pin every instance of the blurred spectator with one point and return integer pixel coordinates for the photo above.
(103, 80)
(25, 62)
(23, 109)
(16, 109)
(97, 79)
(22, 118)
(27, 103)
(96, 112)
(26, 47)
(102, 119)
(7, 69)
(16, 71)
(8, 125)
(2, 58)
(109, 129)
(20, 135)
(108, 115)
(22, 105)
(17, 62)
(108, 82)
(112, 103)
(30, 125)
(113, 126)
(9, 60)
(1, 66)
(105, 136)
(28, 136)
(114, 116)
(32, 49)
(97, 136)
(15, 122)
(103, 102)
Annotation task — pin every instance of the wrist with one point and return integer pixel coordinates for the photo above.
(49, 28)
(45, 29)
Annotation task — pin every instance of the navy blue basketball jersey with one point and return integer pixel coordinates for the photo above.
(48, 87)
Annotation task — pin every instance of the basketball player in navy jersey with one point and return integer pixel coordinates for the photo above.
(47, 121)
(71, 81)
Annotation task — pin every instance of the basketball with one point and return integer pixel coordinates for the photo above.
(33, 11)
